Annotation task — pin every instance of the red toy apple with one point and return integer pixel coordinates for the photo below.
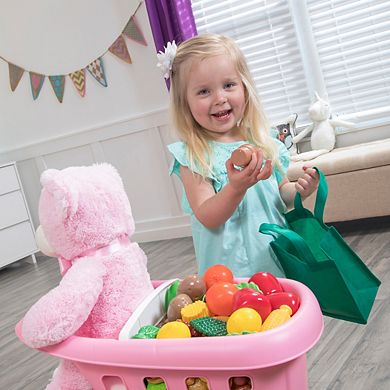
(247, 297)
(284, 298)
(266, 282)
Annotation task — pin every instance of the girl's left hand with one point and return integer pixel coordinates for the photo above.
(308, 183)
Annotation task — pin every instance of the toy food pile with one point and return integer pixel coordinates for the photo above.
(213, 305)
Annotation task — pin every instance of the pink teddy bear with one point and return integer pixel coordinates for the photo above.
(87, 223)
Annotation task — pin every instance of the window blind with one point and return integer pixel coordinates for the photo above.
(353, 45)
(265, 33)
(351, 40)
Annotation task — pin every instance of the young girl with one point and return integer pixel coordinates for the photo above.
(215, 109)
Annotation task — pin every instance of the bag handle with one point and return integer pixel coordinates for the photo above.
(322, 194)
(295, 239)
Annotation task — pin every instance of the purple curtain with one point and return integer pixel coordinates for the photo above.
(170, 20)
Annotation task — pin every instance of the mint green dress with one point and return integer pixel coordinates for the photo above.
(237, 243)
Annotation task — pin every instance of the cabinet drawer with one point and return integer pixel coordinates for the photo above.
(8, 179)
(12, 209)
(16, 242)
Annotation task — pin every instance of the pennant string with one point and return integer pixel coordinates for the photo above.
(95, 68)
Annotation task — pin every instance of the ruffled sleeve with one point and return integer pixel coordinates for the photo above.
(180, 158)
(284, 159)
(179, 153)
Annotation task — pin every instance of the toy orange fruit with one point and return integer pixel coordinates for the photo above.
(219, 298)
(217, 273)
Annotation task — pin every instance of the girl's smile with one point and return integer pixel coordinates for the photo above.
(222, 115)
(215, 95)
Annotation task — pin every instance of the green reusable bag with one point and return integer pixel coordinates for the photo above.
(317, 255)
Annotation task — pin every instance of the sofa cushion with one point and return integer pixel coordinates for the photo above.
(347, 159)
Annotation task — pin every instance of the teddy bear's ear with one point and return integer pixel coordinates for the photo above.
(66, 196)
(110, 169)
(107, 167)
(48, 176)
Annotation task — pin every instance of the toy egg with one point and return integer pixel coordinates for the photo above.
(193, 286)
(175, 306)
(244, 320)
(243, 155)
(174, 330)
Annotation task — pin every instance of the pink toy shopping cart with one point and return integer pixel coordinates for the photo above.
(273, 360)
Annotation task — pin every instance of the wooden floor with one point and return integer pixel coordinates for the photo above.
(348, 356)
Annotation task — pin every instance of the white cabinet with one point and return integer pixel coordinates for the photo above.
(17, 238)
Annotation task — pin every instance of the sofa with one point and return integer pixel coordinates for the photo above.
(358, 179)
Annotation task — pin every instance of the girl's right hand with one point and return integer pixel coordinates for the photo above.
(243, 179)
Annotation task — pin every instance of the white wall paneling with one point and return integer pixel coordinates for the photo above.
(17, 238)
(137, 148)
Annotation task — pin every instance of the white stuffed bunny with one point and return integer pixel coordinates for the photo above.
(323, 137)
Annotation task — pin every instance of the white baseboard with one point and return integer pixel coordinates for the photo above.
(162, 234)
(162, 229)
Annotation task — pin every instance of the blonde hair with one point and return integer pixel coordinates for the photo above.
(253, 125)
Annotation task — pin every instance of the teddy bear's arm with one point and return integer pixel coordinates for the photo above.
(61, 312)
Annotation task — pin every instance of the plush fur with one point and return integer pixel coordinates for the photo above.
(86, 219)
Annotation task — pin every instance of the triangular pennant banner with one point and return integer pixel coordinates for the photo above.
(79, 80)
(36, 81)
(58, 84)
(97, 71)
(15, 74)
(119, 48)
(133, 31)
